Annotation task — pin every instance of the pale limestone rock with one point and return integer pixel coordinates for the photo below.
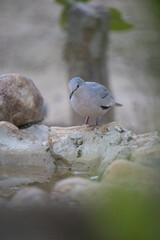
(30, 197)
(24, 158)
(147, 139)
(149, 156)
(132, 174)
(36, 132)
(121, 174)
(75, 190)
(20, 101)
(84, 149)
(46, 154)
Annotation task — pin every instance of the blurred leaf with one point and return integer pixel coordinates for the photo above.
(117, 22)
(65, 2)
(84, 1)
(65, 12)
(68, 3)
(157, 4)
(64, 17)
(128, 216)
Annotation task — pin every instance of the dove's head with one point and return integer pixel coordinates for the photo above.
(75, 84)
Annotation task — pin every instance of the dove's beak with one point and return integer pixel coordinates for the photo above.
(70, 96)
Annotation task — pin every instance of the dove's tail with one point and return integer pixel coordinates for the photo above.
(118, 104)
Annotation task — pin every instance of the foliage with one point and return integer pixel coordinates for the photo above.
(117, 22)
(67, 3)
(128, 216)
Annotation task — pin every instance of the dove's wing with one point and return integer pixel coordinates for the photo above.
(100, 95)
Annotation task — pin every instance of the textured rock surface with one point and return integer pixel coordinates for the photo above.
(30, 197)
(81, 149)
(149, 156)
(121, 174)
(24, 157)
(75, 189)
(109, 153)
(20, 101)
(130, 173)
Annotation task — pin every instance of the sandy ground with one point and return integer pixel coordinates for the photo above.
(31, 43)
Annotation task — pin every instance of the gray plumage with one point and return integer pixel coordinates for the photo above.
(90, 99)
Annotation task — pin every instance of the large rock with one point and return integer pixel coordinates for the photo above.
(44, 155)
(40, 155)
(20, 101)
(82, 149)
(24, 157)
(124, 172)
(75, 190)
(120, 175)
(148, 155)
(30, 197)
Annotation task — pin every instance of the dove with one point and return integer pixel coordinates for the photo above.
(90, 99)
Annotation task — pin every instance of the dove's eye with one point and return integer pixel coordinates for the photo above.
(78, 86)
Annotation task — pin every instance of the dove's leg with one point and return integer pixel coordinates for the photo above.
(95, 125)
(97, 119)
(86, 121)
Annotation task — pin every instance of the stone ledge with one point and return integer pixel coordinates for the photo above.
(41, 154)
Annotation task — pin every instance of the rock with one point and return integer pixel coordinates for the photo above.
(24, 157)
(30, 197)
(74, 190)
(120, 175)
(81, 149)
(146, 140)
(20, 101)
(36, 132)
(131, 174)
(43, 155)
(149, 156)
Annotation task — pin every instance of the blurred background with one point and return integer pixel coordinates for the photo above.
(32, 44)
